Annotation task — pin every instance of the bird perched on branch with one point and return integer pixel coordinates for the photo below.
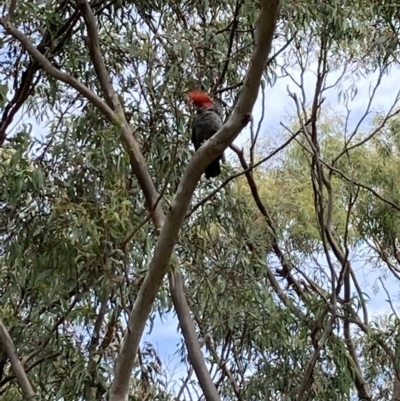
(206, 123)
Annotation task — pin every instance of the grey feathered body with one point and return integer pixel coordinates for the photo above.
(207, 123)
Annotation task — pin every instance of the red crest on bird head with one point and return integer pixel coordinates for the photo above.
(200, 99)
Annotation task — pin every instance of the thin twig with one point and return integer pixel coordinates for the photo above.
(235, 24)
(236, 175)
(184, 384)
(255, 137)
(151, 213)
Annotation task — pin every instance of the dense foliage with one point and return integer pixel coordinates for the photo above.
(270, 252)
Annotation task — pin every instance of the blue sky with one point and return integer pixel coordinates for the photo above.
(279, 106)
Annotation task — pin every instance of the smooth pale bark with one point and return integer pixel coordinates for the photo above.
(170, 225)
(160, 263)
(16, 365)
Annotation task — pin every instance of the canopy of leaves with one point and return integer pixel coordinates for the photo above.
(268, 256)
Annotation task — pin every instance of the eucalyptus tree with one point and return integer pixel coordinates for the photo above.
(96, 207)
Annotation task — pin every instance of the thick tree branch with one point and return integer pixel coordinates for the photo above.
(137, 160)
(97, 58)
(164, 247)
(16, 365)
(55, 72)
(189, 333)
(12, 8)
(29, 80)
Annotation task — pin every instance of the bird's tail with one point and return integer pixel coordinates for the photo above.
(213, 169)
